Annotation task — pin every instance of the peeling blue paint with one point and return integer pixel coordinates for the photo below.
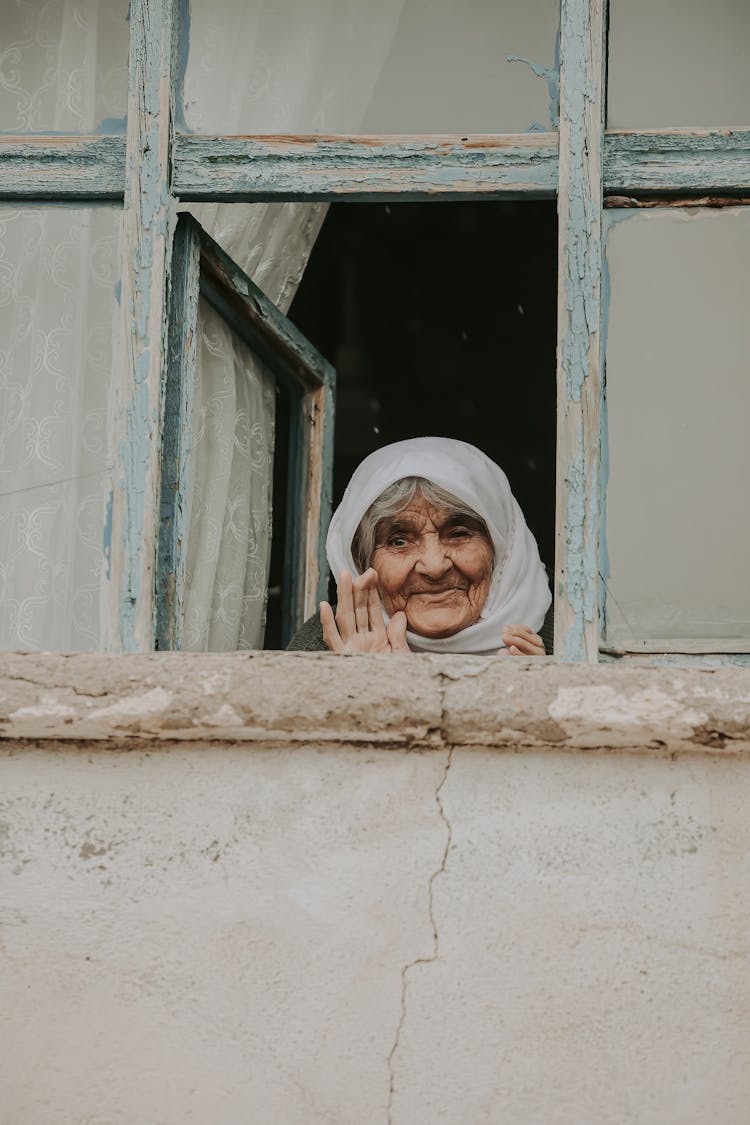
(550, 75)
(706, 160)
(604, 448)
(581, 574)
(182, 51)
(72, 168)
(580, 267)
(216, 168)
(238, 167)
(147, 199)
(610, 220)
(112, 126)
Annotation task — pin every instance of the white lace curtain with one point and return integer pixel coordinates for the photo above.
(283, 65)
(63, 67)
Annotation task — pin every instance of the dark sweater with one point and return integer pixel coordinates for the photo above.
(309, 637)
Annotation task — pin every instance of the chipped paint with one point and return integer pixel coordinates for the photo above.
(182, 52)
(605, 706)
(679, 160)
(365, 168)
(149, 216)
(177, 437)
(610, 219)
(144, 705)
(112, 126)
(551, 76)
(579, 314)
(62, 167)
(646, 161)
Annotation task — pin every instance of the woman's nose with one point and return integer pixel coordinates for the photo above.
(433, 561)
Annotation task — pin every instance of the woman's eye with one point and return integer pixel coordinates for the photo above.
(459, 533)
(397, 541)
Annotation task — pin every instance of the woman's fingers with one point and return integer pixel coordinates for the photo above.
(520, 640)
(397, 633)
(374, 608)
(345, 616)
(331, 635)
(361, 588)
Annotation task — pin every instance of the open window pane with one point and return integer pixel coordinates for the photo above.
(678, 400)
(229, 532)
(58, 312)
(370, 66)
(233, 359)
(678, 63)
(408, 301)
(64, 66)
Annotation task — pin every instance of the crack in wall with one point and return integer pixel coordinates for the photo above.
(430, 911)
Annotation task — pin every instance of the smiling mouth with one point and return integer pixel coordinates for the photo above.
(438, 593)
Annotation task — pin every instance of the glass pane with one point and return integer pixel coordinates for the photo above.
(370, 66)
(678, 394)
(229, 539)
(678, 63)
(59, 274)
(64, 66)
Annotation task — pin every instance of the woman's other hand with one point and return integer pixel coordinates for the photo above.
(521, 641)
(359, 625)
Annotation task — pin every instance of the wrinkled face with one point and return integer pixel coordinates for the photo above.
(434, 566)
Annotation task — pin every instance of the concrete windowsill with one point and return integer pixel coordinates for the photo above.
(404, 701)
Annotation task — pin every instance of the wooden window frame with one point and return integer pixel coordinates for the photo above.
(200, 268)
(585, 165)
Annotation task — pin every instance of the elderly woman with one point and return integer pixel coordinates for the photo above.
(431, 553)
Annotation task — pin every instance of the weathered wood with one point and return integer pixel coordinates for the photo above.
(176, 460)
(310, 380)
(207, 167)
(258, 321)
(677, 160)
(321, 489)
(365, 168)
(148, 223)
(54, 167)
(617, 202)
(579, 336)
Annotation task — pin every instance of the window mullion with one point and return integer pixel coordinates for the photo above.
(148, 224)
(582, 61)
(177, 451)
(51, 167)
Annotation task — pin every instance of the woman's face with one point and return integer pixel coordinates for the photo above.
(434, 566)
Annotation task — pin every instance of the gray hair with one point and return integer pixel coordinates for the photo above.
(392, 501)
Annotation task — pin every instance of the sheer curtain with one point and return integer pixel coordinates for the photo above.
(284, 66)
(63, 67)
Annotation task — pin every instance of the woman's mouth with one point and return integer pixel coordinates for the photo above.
(448, 591)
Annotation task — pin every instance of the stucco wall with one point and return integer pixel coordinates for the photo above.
(308, 889)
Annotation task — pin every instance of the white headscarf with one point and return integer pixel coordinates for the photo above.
(519, 592)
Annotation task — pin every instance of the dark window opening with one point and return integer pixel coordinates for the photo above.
(439, 319)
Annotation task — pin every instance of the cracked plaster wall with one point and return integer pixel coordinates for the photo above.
(453, 912)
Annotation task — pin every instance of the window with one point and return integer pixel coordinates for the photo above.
(196, 155)
(282, 361)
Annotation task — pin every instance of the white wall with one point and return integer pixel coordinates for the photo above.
(232, 933)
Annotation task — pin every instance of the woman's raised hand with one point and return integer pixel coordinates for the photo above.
(359, 625)
(520, 640)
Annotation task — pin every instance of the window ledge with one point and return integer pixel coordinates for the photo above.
(419, 702)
